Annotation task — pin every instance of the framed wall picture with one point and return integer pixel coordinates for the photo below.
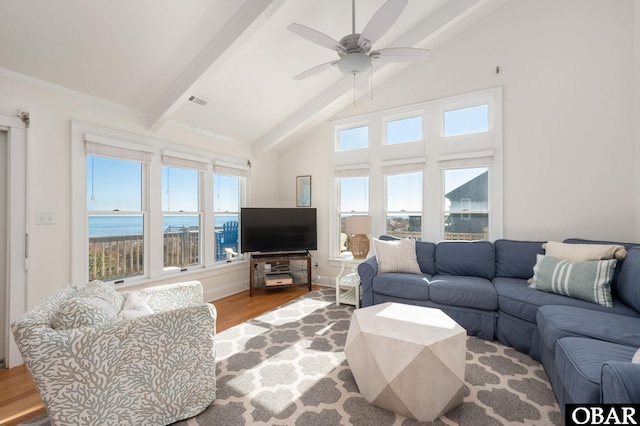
(303, 191)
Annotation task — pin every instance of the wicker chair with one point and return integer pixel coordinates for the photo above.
(91, 368)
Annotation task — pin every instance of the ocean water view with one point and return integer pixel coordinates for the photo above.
(102, 226)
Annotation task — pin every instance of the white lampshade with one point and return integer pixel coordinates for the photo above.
(358, 225)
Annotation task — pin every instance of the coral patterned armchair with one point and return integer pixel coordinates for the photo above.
(92, 367)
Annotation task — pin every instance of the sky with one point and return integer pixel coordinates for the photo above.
(114, 184)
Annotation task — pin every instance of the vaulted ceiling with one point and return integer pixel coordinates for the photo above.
(150, 56)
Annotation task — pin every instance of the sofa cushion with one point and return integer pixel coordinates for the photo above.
(580, 362)
(584, 252)
(105, 291)
(517, 299)
(396, 256)
(556, 322)
(82, 312)
(469, 258)
(588, 281)
(405, 286)
(426, 254)
(471, 292)
(629, 279)
(515, 259)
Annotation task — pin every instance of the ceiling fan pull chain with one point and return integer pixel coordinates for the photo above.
(371, 80)
(354, 89)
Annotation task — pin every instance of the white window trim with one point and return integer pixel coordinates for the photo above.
(154, 268)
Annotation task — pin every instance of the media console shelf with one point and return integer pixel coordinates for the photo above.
(279, 270)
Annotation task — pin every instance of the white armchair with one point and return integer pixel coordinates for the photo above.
(93, 369)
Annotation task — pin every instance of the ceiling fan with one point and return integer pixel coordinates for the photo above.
(354, 49)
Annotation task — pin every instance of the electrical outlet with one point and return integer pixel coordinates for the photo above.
(316, 264)
(45, 217)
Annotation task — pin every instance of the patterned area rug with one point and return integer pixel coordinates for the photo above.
(287, 367)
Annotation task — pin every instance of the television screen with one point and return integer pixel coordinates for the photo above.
(278, 229)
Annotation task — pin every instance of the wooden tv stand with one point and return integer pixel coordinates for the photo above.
(279, 270)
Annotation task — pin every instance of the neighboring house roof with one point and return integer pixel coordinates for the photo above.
(477, 189)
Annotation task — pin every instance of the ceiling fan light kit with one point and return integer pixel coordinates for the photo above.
(354, 49)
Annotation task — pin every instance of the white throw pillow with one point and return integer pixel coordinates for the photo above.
(396, 256)
(134, 307)
(636, 357)
(584, 252)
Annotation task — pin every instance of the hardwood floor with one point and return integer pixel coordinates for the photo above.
(20, 402)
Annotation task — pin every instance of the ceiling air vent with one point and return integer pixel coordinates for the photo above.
(198, 100)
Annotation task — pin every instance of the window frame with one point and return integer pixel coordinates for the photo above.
(387, 212)
(152, 195)
(226, 212)
(199, 212)
(144, 212)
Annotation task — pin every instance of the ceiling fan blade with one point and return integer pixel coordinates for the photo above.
(316, 37)
(400, 54)
(315, 70)
(380, 23)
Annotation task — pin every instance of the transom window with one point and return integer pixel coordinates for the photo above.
(353, 138)
(404, 130)
(462, 121)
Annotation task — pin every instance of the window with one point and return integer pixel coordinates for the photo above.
(226, 208)
(404, 130)
(462, 121)
(354, 200)
(466, 204)
(353, 138)
(143, 209)
(421, 183)
(404, 205)
(116, 218)
(182, 216)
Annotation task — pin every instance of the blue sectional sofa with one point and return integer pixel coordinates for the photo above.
(586, 348)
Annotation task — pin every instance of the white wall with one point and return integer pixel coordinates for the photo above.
(50, 179)
(569, 150)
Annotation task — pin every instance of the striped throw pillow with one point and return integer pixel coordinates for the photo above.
(396, 256)
(590, 281)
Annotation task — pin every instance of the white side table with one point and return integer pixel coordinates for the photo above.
(348, 279)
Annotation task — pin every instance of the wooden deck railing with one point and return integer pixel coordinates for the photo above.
(120, 256)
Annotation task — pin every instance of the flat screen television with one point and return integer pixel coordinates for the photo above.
(264, 229)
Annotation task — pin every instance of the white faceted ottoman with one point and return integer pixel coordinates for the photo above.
(407, 359)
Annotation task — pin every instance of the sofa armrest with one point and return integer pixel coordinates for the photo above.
(172, 296)
(367, 271)
(620, 383)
